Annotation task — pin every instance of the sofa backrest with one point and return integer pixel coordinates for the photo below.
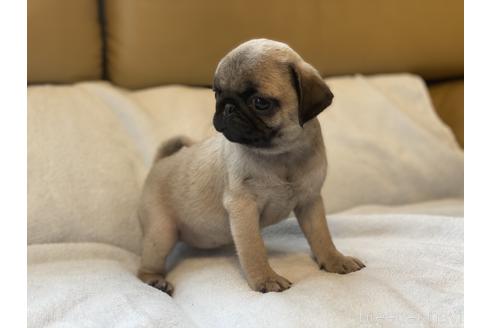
(64, 41)
(137, 44)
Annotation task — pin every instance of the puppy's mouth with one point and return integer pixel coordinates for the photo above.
(240, 130)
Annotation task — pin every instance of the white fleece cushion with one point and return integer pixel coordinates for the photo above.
(84, 170)
(385, 143)
(90, 146)
(413, 278)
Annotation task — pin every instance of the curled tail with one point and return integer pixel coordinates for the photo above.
(171, 146)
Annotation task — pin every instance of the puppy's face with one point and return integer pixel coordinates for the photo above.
(265, 93)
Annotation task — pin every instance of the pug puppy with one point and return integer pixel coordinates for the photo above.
(268, 160)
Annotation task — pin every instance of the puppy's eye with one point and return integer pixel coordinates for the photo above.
(261, 103)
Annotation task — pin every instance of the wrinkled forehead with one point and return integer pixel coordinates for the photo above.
(260, 68)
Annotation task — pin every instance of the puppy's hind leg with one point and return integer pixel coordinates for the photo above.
(160, 236)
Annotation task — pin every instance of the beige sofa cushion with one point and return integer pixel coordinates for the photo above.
(64, 41)
(84, 169)
(90, 146)
(157, 42)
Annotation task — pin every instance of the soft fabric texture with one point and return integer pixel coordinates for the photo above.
(414, 278)
(90, 146)
(444, 207)
(84, 169)
(386, 145)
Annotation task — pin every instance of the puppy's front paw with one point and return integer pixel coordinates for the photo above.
(341, 264)
(271, 283)
(157, 281)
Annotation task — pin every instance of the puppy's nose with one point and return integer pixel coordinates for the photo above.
(229, 109)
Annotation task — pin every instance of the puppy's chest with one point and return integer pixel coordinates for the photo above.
(274, 190)
(277, 196)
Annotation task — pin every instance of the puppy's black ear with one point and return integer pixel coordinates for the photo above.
(312, 92)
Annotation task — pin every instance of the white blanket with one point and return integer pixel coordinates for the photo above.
(414, 278)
